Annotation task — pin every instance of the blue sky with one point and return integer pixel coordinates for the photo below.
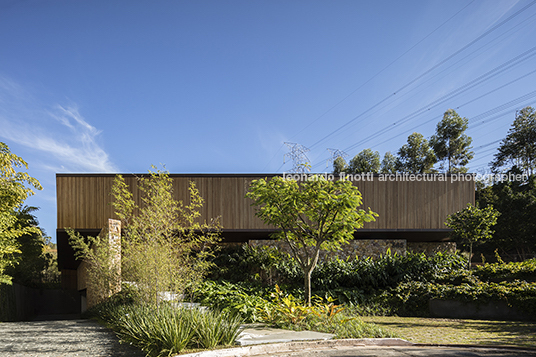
(219, 86)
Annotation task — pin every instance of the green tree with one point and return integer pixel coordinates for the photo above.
(34, 261)
(473, 225)
(15, 187)
(416, 156)
(364, 162)
(339, 165)
(165, 245)
(388, 165)
(515, 232)
(519, 146)
(316, 215)
(450, 143)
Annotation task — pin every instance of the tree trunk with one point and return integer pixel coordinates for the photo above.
(470, 254)
(307, 284)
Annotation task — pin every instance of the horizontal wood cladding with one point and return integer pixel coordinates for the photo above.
(83, 201)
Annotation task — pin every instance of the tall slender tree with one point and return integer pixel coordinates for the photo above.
(519, 146)
(388, 165)
(450, 143)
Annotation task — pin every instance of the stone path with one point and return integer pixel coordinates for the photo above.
(61, 338)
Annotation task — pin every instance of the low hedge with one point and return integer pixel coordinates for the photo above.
(525, 270)
(412, 298)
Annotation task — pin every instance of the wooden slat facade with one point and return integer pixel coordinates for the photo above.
(83, 200)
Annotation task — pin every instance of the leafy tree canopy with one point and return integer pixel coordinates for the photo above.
(473, 224)
(515, 232)
(519, 146)
(416, 156)
(313, 215)
(450, 143)
(339, 165)
(34, 264)
(388, 165)
(364, 162)
(15, 187)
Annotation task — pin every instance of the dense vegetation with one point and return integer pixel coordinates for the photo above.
(164, 329)
(391, 284)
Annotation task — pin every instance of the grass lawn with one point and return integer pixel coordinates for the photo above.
(453, 331)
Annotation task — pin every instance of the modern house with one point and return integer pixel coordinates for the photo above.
(412, 209)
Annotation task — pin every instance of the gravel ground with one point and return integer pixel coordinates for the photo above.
(61, 338)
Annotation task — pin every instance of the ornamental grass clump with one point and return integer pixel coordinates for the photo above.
(166, 330)
(215, 329)
(161, 331)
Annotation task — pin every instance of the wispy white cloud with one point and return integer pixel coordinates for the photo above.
(60, 132)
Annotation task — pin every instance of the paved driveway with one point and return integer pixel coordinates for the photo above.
(61, 338)
(408, 352)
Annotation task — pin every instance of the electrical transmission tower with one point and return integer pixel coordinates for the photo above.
(334, 154)
(297, 153)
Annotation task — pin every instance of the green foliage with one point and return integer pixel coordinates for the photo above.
(519, 147)
(15, 187)
(34, 264)
(236, 298)
(516, 227)
(103, 269)
(165, 246)
(264, 265)
(473, 224)
(391, 284)
(318, 214)
(364, 162)
(451, 144)
(416, 156)
(388, 165)
(349, 281)
(339, 165)
(411, 298)
(525, 270)
(165, 330)
(370, 275)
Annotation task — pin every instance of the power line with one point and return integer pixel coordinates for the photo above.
(399, 98)
(502, 107)
(382, 70)
(298, 155)
(429, 70)
(335, 153)
(470, 85)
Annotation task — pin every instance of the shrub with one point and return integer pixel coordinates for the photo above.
(235, 298)
(525, 270)
(412, 298)
(165, 330)
(348, 280)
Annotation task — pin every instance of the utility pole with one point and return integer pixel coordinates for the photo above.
(298, 154)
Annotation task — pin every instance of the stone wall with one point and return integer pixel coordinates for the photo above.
(431, 248)
(373, 248)
(361, 248)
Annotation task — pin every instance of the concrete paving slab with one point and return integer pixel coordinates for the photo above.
(303, 347)
(255, 335)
